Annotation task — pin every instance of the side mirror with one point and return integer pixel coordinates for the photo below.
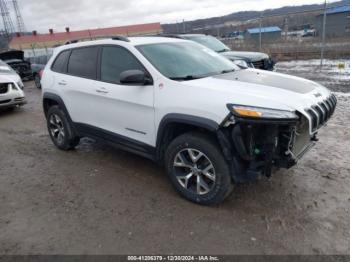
(136, 77)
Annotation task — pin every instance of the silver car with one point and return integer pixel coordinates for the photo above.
(11, 88)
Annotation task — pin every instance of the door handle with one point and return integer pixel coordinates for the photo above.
(62, 83)
(102, 90)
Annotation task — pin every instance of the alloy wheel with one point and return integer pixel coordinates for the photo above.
(56, 128)
(194, 171)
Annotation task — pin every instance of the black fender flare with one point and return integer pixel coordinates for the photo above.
(175, 118)
(58, 100)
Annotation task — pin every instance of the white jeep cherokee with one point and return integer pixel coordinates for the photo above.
(211, 123)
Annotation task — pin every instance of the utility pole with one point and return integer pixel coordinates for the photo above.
(286, 27)
(260, 33)
(183, 26)
(20, 23)
(324, 32)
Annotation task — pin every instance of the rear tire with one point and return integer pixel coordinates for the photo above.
(37, 81)
(197, 169)
(60, 130)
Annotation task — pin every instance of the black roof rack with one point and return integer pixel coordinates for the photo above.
(164, 35)
(118, 37)
(121, 38)
(72, 42)
(171, 36)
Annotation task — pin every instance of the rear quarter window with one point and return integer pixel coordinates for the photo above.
(60, 63)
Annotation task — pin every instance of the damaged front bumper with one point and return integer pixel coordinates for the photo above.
(254, 147)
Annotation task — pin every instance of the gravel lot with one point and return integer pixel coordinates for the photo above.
(100, 200)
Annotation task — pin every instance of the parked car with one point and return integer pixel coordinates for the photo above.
(7, 71)
(210, 123)
(252, 59)
(15, 59)
(37, 70)
(11, 95)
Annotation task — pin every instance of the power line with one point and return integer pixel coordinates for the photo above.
(324, 32)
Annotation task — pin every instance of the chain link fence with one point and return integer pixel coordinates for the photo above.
(297, 35)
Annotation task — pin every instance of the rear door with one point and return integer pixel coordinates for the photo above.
(79, 85)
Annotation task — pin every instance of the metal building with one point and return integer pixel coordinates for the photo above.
(337, 23)
(267, 33)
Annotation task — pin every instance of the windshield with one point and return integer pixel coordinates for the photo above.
(210, 42)
(5, 68)
(186, 60)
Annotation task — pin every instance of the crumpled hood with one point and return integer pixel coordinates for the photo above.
(253, 56)
(260, 88)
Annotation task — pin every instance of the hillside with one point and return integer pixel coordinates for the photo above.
(214, 22)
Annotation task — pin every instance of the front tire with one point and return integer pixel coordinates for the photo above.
(60, 130)
(197, 169)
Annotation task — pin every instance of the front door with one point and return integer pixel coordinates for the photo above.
(126, 110)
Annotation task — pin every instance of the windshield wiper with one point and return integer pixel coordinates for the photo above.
(223, 50)
(186, 78)
(227, 71)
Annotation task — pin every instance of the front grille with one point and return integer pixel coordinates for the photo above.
(259, 64)
(4, 88)
(314, 118)
(322, 112)
(5, 101)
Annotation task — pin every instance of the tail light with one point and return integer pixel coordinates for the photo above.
(41, 73)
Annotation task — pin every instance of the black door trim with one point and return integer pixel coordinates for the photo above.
(116, 140)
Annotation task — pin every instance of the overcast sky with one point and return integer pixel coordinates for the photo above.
(41, 15)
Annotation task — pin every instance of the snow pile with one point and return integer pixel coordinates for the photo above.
(335, 74)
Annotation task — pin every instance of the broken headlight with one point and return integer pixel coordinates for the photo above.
(260, 112)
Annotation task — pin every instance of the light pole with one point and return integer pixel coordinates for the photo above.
(260, 33)
(324, 32)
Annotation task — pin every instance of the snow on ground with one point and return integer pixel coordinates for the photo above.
(330, 75)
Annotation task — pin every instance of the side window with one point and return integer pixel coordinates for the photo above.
(60, 64)
(114, 61)
(83, 62)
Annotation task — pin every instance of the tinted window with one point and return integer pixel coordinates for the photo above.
(116, 60)
(210, 42)
(60, 64)
(83, 61)
(186, 60)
